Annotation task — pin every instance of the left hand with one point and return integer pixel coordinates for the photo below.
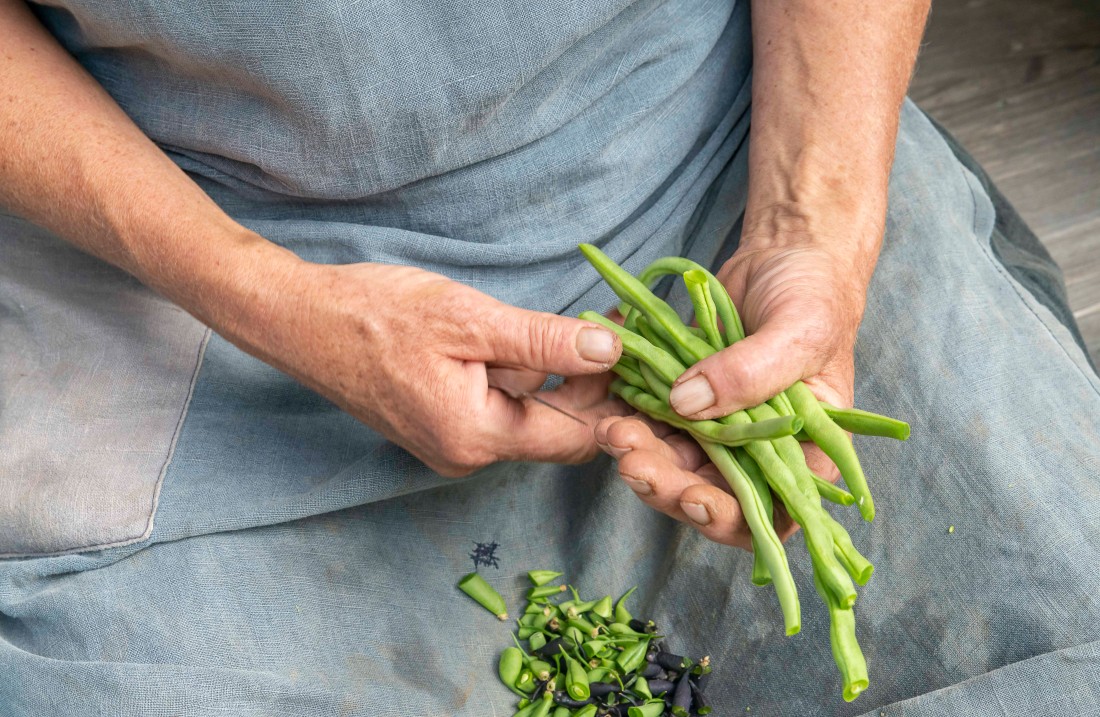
(801, 304)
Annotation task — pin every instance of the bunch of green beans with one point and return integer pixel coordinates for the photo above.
(757, 450)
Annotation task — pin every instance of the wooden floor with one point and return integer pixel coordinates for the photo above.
(1018, 83)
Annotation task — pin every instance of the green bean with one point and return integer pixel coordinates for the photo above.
(727, 312)
(576, 678)
(698, 332)
(810, 515)
(760, 523)
(475, 586)
(622, 615)
(727, 435)
(761, 575)
(586, 711)
(832, 492)
(539, 578)
(561, 712)
(647, 331)
(630, 376)
(846, 652)
(544, 591)
(705, 313)
(544, 705)
(649, 709)
(667, 366)
(632, 657)
(603, 607)
(859, 567)
(638, 294)
(510, 666)
(834, 441)
(866, 423)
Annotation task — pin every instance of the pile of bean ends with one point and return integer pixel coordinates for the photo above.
(757, 450)
(590, 658)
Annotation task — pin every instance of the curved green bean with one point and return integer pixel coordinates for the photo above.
(846, 652)
(727, 312)
(866, 423)
(760, 523)
(832, 439)
(832, 492)
(705, 313)
(648, 332)
(638, 396)
(668, 367)
(859, 567)
(638, 295)
(808, 513)
(761, 574)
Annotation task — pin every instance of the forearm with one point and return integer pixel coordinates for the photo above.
(828, 82)
(72, 161)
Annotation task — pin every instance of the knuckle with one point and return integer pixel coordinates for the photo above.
(548, 340)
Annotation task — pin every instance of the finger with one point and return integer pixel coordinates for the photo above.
(716, 514)
(540, 342)
(531, 430)
(749, 372)
(515, 381)
(657, 481)
(632, 433)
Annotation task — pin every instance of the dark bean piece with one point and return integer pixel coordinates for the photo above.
(702, 680)
(602, 689)
(554, 647)
(669, 661)
(561, 697)
(699, 701)
(681, 698)
(659, 686)
(653, 671)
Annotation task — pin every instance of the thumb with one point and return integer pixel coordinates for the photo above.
(549, 343)
(747, 373)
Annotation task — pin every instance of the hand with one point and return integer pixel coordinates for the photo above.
(433, 364)
(801, 304)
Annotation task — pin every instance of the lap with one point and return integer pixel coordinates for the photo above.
(355, 612)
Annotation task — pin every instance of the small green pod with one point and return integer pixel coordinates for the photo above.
(585, 627)
(594, 647)
(536, 641)
(526, 680)
(604, 607)
(641, 687)
(543, 670)
(510, 665)
(475, 586)
(622, 615)
(561, 712)
(576, 679)
(586, 711)
(632, 656)
(544, 591)
(598, 674)
(650, 709)
(541, 577)
(544, 705)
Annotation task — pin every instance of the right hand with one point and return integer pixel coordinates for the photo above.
(433, 364)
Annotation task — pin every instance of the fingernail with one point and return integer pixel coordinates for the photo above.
(697, 512)
(692, 396)
(596, 345)
(638, 485)
(616, 451)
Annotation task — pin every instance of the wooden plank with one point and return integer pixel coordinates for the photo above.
(1018, 82)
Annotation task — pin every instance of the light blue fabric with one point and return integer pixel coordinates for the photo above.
(300, 565)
